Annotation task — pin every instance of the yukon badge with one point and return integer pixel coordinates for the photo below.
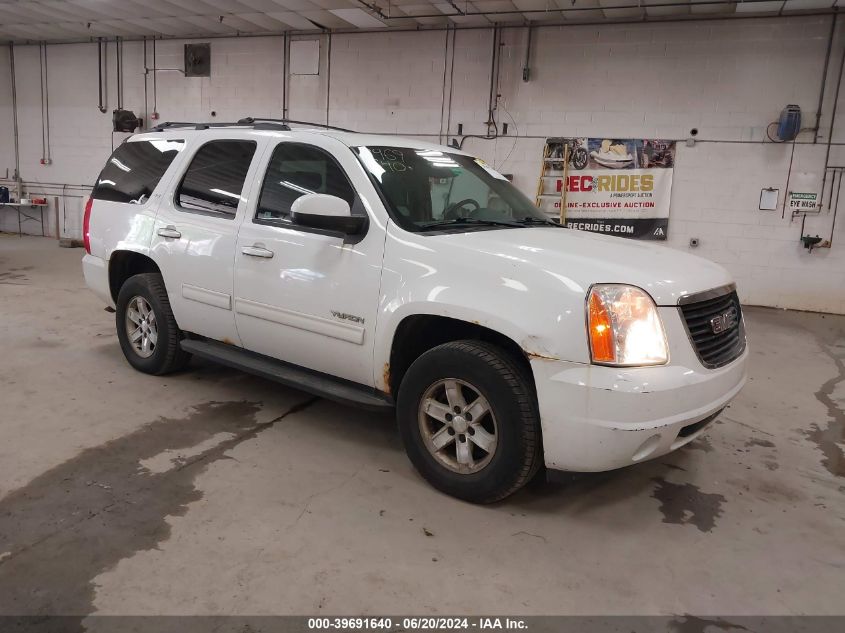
(724, 321)
(348, 317)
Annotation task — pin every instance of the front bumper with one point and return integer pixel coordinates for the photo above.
(597, 418)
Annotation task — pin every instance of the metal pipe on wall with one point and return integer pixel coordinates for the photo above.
(118, 50)
(526, 68)
(493, 98)
(824, 79)
(830, 131)
(41, 87)
(49, 156)
(17, 174)
(155, 82)
(835, 210)
(451, 84)
(788, 178)
(284, 74)
(55, 185)
(146, 74)
(443, 92)
(328, 74)
(101, 105)
(286, 77)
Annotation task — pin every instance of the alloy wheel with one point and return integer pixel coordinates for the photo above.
(141, 326)
(458, 426)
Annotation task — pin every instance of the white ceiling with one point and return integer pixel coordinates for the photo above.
(73, 20)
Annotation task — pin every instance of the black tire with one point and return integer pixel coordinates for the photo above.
(509, 391)
(167, 355)
(580, 158)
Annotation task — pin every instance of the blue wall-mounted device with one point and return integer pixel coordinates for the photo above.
(789, 123)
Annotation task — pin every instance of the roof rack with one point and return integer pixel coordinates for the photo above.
(169, 125)
(253, 122)
(285, 122)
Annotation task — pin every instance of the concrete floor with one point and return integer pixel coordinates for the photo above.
(213, 492)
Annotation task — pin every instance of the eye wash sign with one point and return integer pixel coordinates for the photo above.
(623, 189)
(803, 202)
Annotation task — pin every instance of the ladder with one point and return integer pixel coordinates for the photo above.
(548, 165)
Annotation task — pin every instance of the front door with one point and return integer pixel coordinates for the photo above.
(301, 295)
(195, 235)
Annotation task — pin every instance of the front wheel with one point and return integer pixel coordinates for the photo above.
(146, 327)
(468, 418)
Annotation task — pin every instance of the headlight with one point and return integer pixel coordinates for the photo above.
(624, 327)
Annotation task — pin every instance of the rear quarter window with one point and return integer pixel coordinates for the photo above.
(134, 170)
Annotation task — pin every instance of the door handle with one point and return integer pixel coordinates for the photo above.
(257, 251)
(169, 231)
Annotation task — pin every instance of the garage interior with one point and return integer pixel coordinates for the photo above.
(213, 492)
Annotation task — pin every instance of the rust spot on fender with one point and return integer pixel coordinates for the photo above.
(228, 341)
(385, 377)
(529, 345)
(538, 356)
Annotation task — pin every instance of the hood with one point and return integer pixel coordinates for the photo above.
(588, 258)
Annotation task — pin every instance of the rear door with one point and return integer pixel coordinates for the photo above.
(196, 231)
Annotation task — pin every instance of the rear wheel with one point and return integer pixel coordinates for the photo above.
(468, 418)
(146, 328)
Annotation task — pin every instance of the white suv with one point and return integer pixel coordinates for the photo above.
(392, 273)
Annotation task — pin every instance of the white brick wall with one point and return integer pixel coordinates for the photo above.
(726, 78)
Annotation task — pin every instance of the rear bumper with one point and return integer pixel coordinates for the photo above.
(96, 271)
(598, 418)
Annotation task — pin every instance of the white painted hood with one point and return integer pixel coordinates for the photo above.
(588, 258)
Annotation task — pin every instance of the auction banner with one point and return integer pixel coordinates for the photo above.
(617, 186)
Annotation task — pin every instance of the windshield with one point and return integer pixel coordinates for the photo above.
(430, 190)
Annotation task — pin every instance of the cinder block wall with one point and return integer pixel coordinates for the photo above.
(728, 79)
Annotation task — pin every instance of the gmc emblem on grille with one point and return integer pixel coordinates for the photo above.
(724, 321)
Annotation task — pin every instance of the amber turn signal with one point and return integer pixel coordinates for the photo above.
(601, 331)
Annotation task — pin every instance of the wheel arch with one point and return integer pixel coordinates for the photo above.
(123, 264)
(415, 334)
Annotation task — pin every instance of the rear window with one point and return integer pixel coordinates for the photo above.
(215, 178)
(134, 170)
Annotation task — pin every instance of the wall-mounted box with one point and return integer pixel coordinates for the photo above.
(197, 60)
(304, 57)
(769, 199)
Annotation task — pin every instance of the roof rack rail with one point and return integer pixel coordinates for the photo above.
(168, 125)
(254, 122)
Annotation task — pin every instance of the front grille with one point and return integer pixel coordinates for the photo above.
(714, 349)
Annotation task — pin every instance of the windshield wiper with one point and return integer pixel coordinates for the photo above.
(532, 221)
(477, 221)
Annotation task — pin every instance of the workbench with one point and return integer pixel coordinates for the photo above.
(23, 216)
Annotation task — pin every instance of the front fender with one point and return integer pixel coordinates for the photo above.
(541, 311)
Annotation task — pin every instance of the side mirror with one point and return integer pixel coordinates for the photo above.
(329, 213)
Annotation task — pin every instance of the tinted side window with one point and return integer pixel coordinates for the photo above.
(296, 170)
(215, 177)
(134, 169)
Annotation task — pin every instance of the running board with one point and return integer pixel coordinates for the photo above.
(295, 376)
